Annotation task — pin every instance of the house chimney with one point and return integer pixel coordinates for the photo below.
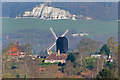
(13, 42)
(58, 52)
(49, 52)
(17, 43)
(109, 56)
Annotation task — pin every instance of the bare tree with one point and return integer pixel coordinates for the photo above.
(87, 46)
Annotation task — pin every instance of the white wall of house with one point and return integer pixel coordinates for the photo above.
(96, 56)
(55, 61)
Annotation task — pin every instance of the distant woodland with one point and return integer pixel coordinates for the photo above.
(78, 64)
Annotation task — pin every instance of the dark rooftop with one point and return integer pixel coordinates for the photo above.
(54, 56)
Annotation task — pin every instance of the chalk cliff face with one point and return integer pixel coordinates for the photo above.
(44, 12)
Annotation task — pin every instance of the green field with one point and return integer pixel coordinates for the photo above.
(10, 25)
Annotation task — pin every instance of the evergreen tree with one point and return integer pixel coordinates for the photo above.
(106, 49)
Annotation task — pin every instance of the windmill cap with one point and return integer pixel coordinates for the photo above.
(62, 37)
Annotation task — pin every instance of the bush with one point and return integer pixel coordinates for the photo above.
(17, 76)
(90, 63)
(45, 64)
(71, 57)
(105, 73)
(61, 64)
(110, 65)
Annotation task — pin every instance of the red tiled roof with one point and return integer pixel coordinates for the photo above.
(15, 49)
(57, 57)
(13, 54)
(19, 48)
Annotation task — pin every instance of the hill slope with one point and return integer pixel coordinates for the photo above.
(96, 10)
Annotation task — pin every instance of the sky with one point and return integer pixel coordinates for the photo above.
(59, 0)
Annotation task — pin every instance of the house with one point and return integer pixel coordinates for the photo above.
(109, 59)
(56, 58)
(43, 55)
(33, 56)
(96, 55)
(16, 50)
(42, 69)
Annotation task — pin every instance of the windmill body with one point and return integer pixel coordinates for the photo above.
(62, 43)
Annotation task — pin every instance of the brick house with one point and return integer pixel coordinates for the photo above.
(16, 50)
(56, 58)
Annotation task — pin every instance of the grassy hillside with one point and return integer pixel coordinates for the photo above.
(94, 26)
(37, 33)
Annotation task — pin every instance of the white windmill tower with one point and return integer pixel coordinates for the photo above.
(49, 49)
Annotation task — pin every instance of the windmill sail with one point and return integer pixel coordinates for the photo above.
(52, 46)
(65, 33)
(56, 37)
(53, 33)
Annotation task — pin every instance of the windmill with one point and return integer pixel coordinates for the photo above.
(49, 49)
